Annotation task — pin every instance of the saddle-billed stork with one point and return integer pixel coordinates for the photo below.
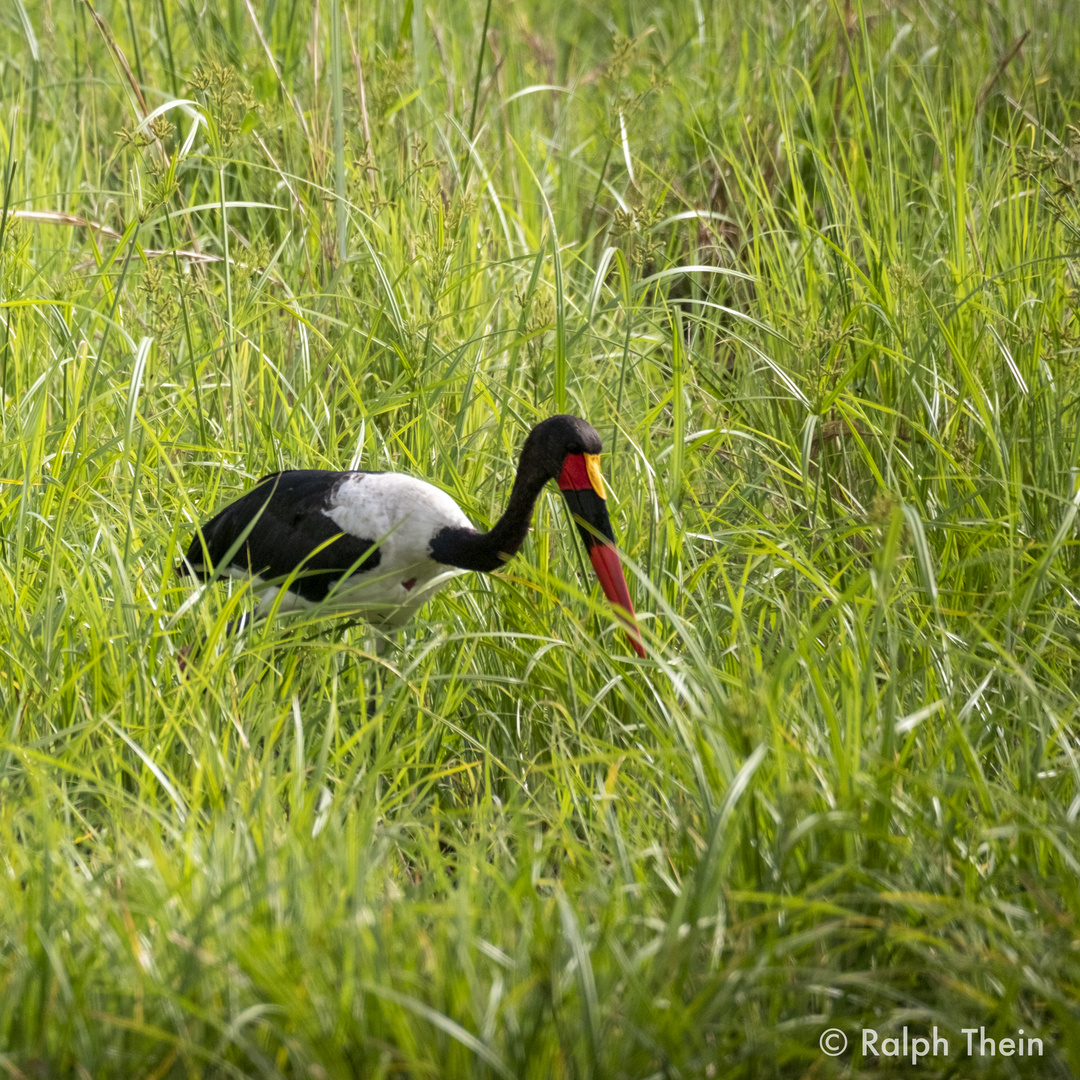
(382, 543)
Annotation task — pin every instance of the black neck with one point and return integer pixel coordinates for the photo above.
(472, 550)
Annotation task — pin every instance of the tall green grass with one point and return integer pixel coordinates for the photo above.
(811, 270)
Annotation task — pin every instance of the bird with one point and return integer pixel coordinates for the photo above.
(382, 543)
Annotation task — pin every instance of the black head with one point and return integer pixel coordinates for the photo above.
(566, 449)
(552, 439)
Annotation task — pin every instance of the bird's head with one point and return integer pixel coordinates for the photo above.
(556, 438)
(567, 449)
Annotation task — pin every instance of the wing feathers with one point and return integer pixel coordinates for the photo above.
(287, 519)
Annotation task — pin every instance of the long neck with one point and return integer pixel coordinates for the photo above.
(471, 550)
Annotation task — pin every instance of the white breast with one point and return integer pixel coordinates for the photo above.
(401, 512)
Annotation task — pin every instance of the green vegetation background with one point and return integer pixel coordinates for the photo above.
(811, 270)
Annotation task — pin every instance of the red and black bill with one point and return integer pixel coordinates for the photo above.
(583, 490)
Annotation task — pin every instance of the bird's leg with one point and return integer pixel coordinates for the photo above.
(237, 626)
(372, 703)
(383, 643)
(189, 653)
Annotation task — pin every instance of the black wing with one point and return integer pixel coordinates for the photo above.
(289, 524)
